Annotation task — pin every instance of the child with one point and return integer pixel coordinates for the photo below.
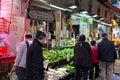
(95, 61)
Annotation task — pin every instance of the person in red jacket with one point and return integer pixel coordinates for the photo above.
(95, 61)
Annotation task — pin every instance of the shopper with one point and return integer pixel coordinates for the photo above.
(20, 61)
(106, 55)
(82, 58)
(98, 39)
(34, 67)
(95, 62)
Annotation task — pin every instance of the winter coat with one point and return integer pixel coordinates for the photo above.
(82, 54)
(106, 51)
(34, 64)
(94, 54)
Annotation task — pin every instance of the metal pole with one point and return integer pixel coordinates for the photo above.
(47, 35)
(33, 29)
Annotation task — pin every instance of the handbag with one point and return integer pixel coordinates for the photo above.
(12, 76)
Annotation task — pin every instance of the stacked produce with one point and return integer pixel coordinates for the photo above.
(59, 55)
(56, 74)
(56, 55)
(69, 67)
(67, 44)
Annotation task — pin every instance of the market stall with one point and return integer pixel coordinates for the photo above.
(6, 60)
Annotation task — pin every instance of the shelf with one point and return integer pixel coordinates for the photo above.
(62, 47)
(7, 58)
(59, 63)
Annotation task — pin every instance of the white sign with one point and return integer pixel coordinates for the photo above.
(101, 28)
(40, 15)
(83, 28)
(53, 43)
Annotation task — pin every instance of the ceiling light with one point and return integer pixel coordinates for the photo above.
(57, 7)
(83, 12)
(50, 6)
(43, 1)
(95, 16)
(68, 10)
(73, 7)
(101, 18)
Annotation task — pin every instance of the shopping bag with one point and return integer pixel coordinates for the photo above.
(115, 77)
(45, 63)
(12, 76)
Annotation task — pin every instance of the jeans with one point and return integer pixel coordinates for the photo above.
(21, 73)
(94, 70)
(81, 71)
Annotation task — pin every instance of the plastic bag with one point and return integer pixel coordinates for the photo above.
(115, 77)
(12, 76)
(46, 62)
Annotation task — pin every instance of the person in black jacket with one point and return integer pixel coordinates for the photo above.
(106, 55)
(34, 62)
(82, 58)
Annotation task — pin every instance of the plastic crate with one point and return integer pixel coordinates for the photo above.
(3, 49)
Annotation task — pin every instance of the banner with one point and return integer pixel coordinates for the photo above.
(87, 19)
(83, 28)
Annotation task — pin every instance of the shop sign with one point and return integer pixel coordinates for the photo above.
(38, 15)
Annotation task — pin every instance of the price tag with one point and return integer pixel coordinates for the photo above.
(53, 43)
(61, 42)
(67, 34)
(49, 35)
(68, 57)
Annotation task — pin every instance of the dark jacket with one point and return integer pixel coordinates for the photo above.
(82, 54)
(106, 51)
(34, 62)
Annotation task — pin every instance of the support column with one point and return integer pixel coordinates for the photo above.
(58, 25)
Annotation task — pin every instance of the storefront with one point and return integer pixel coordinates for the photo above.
(86, 26)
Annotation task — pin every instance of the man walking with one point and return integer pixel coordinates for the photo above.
(34, 61)
(107, 55)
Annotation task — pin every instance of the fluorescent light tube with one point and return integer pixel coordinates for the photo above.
(73, 7)
(57, 7)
